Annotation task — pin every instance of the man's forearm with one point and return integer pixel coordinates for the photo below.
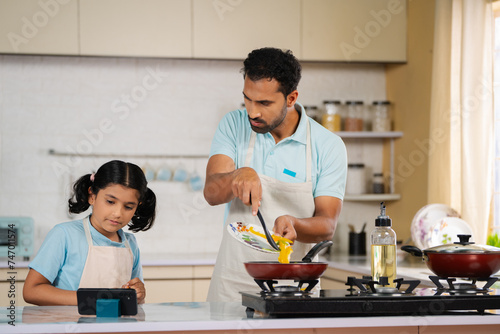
(218, 188)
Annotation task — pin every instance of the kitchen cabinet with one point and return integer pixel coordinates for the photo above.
(176, 283)
(11, 286)
(334, 278)
(355, 30)
(39, 27)
(387, 137)
(315, 30)
(231, 29)
(183, 283)
(139, 28)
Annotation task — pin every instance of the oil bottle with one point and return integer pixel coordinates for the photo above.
(383, 242)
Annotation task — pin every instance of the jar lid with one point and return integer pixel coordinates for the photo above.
(356, 165)
(378, 174)
(381, 102)
(350, 102)
(331, 102)
(310, 107)
(358, 102)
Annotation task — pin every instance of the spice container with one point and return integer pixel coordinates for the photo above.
(313, 112)
(354, 118)
(381, 116)
(331, 119)
(356, 181)
(378, 183)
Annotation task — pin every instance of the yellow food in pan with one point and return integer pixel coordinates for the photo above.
(283, 243)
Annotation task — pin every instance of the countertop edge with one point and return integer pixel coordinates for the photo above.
(252, 324)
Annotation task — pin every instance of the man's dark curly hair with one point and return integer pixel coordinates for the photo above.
(272, 63)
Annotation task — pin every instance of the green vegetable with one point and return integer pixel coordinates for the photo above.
(493, 240)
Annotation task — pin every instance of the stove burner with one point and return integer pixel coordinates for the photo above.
(462, 288)
(368, 286)
(270, 289)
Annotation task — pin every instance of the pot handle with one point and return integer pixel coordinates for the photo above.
(415, 251)
(315, 250)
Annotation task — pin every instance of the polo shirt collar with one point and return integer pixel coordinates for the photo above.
(300, 134)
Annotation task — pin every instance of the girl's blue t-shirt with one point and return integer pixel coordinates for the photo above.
(63, 254)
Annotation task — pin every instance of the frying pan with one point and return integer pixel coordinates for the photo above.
(297, 270)
(460, 259)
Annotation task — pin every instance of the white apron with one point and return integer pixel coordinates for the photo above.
(106, 266)
(278, 198)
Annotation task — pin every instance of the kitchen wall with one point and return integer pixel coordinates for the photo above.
(131, 106)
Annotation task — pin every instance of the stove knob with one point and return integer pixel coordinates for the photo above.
(367, 307)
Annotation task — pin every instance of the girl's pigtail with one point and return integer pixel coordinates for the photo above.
(79, 202)
(145, 214)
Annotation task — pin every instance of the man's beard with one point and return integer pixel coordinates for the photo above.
(270, 127)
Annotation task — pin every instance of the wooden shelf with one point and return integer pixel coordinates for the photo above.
(372, 197)
(369, 134)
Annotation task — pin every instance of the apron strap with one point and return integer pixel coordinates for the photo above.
(308, 152)
(251, 146)
(86, 224)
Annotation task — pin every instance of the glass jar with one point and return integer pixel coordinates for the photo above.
(313, 112)
(381, 116)
(378, 183)
(354, 118)
(356, 181)
(331, 119)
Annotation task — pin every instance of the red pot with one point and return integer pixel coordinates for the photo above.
(461, 259)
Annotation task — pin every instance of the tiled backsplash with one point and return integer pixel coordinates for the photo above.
(130, 106)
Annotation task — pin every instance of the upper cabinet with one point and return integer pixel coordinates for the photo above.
(354, 30)
(39, 27)
(140, 28)
(230, 29)
(315, 30)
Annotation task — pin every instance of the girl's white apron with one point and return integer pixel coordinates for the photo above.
(106, 266)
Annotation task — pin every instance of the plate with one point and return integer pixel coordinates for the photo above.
(445, 231)
(240, 232)
(424, 221)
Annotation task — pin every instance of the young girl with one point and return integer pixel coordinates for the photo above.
(95, 252)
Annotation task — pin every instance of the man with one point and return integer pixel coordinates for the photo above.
(271, 157)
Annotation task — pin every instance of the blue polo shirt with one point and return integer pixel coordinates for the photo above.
(286, 160)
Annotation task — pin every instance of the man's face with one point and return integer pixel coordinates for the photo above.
(266, 106)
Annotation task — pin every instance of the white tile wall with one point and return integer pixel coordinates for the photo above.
(132, 106)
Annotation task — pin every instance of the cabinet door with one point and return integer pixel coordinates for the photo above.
(39, 27)
(354, 30)
(149, 28)
(168, 291)
(230, 29)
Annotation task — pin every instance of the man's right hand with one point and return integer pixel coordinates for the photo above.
(247, 187)
(223, 183)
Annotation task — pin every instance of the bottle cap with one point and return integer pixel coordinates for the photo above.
(383, 220)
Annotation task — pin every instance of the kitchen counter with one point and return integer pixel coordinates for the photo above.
(407, 267)
(224, 317)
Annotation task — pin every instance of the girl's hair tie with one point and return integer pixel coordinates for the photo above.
(92, 177)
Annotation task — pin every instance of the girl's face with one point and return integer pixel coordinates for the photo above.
(113, 208)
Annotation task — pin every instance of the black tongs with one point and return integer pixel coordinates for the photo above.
(266, 231)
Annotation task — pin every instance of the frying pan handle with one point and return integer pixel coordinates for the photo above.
(315, 250)
(415, 251)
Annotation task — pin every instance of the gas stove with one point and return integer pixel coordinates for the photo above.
(366, 297)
